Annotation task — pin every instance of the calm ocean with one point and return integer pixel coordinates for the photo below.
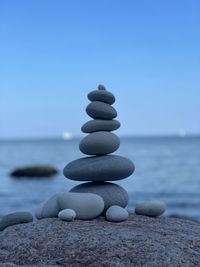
(167, 168)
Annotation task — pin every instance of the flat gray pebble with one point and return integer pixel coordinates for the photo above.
(100, 125)
(15, 218)
(100, 110)
(99, 168)
(102, 95)
(99, 143)
(151, 208)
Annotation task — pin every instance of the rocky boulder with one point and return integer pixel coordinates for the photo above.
(139, 241)
(34, 171)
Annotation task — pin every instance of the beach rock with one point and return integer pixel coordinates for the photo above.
(86, 205)
(67, 215)
(38, 212)
(100, 110)
(34, 171)
(15, 218)
(100, 125)
(152, 208)
(102, 96)
(111, 193)
(99, 168)
(99, 143)
(139, 241)
(116, 214)
(49, 209)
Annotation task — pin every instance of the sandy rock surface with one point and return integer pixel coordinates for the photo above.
(139, 241)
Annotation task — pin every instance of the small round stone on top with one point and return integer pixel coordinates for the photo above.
(101, 87)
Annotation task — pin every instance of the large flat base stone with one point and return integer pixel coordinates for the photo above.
(139, 241)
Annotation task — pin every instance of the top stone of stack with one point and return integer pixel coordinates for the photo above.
(101, 111)
(102, 95)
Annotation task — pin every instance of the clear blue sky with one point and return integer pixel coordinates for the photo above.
(53, 52)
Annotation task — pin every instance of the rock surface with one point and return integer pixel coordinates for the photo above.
(99, 143)
(99, 168)
(100, 125)
(139, 241)
(34, 171)
(112, 194)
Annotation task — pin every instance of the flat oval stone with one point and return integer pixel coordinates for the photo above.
(152, 208)
(67, 215)
(111, 193)
(86, 205)
(15, 218)
(116, 214)
(99, 168)
(100, 110)
(99, 143)
(102, 95)
(100, 125)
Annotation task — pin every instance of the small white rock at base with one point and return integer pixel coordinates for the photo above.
(116, 214)
(67, 215)
(151, 208)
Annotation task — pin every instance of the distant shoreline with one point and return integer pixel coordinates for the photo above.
(156, 136)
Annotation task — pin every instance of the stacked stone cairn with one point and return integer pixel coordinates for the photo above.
(97, 196)
(101, 166)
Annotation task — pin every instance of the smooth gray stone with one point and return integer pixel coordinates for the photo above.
(116, 214)
(38, 212)
(67, 215)
(111, 193)
(48, 209)
(15, 218)
(86, 205)
(100, 125)
(100, 110)
(99, 143)
(102, 96)
(99, 168)
(151, 208)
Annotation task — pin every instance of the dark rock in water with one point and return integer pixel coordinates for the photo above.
(34, 171)
(15, 218)
(101, 95)
(100, 110)
(99, 168)
(139, 241)
(112, 194)
(100, 125)
(99, 143)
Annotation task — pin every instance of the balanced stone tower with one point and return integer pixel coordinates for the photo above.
(101, 167)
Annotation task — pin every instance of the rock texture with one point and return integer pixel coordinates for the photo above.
(139, 241)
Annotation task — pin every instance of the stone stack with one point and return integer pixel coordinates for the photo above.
(101, 167)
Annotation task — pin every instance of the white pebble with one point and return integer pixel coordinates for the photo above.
(116, 214)
(67, 215)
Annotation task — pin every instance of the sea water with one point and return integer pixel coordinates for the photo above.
(167, 168)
